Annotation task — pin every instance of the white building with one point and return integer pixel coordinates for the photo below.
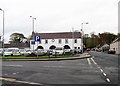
(66, 40)
(115, 45)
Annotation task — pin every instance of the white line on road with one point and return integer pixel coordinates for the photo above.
(104, 74)
(14, 65)
(88, 61)
(101, 70)
(108, 79)
(14, 73)
(93, 60)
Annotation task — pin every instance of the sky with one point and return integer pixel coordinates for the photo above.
(59, 16)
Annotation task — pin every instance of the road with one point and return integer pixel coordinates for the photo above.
(100, 69)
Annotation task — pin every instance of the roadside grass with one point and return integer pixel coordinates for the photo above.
(35, 57)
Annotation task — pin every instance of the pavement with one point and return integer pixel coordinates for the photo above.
(80, 56)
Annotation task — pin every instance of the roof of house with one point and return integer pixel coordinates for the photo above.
(116, 40)
(58, 35)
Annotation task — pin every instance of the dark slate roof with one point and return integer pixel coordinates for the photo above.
(57, 35)
(18, 45)
(116, 40)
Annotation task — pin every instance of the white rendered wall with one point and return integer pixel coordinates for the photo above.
(55, 43)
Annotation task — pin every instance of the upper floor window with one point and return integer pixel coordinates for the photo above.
(75, 41)
(66, 41)
(59, 41)
(46, 41)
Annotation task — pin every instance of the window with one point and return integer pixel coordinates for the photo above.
(75, 47)
(66, 41)
(75, 41)
(46, 41)
(59, 41)
(53, 40)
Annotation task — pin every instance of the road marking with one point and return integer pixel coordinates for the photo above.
(88, 61)
(14, 73)
(54, 66)
(104, 74)
(14, 80)
(101, 70)
(93, 60)
(108, 79)
(5, 74)
(14, 65)
(99, 67)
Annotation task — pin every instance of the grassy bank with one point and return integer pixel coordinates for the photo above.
(34, 57)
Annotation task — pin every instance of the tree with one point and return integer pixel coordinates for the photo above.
(118, 35)
(16, 38)
(107, 37)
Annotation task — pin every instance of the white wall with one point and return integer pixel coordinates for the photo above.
(116, 45)
(55, 43)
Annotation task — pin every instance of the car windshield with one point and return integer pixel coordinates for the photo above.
(16, 50)
(22, 50)
(9, 50)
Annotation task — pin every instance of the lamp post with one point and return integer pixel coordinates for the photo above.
(33, 27)
(3, 31)
(33, 22)
(82, 35)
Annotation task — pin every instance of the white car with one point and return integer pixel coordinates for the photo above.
(58, 50)
(22, 51)
(11, 52)
(1, 51)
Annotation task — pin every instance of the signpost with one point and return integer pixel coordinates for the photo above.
(33, 43)
(37, 39)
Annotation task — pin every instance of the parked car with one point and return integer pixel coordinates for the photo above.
(22, 51)
(40, 52)
(58, 50)
(50, 51)
(11, 52)
(111, 51)
(28, 52)
(99, 49)
(1, 51)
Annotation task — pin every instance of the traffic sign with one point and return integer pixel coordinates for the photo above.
(37, 38)
(33, 42)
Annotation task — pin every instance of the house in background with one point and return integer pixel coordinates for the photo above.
(66, 40)
(115, 45)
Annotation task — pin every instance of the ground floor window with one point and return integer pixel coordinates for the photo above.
(66, 47)
(40, 47)
(52, 47)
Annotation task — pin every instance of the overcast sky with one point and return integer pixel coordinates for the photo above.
(59, 16)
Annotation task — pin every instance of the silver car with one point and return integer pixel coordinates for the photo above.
(11, 52)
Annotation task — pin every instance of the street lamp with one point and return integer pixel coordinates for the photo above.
(33, 27)
(3, 31)
(82, 35)
(33, 22)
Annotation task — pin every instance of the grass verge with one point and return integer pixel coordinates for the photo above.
(34, 57)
